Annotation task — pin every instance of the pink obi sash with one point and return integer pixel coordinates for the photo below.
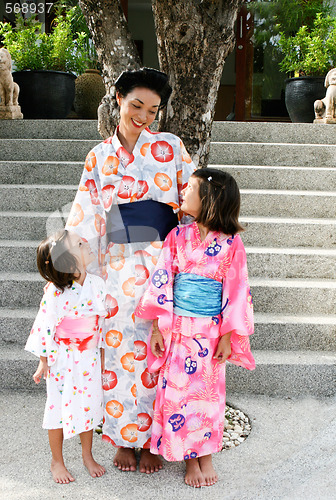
(78, 333)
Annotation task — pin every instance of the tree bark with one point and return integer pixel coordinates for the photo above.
(116, 52)
(194, 38)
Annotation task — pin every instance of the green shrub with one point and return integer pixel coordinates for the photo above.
(310, 52)
(61, 50)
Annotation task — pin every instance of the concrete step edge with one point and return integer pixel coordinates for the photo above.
(323, 252)
(266, 282)
(262, 357)
(256, 143)
(260, 318)
(294, 357)
(268, 167)
(327, 252)
(275, 192)
(265, 318)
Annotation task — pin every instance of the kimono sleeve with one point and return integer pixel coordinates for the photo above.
(87, 216)
(237, 308)
(41, 339)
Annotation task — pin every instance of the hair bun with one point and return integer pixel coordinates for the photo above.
(150, 78)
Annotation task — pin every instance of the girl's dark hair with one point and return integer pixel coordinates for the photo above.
(148, 78)
(54, 261)
(220, 200)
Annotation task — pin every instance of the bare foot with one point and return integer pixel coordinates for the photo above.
(149, 463)
(208, 471)
(194, 476)
(95, 469)
(125, 459)
(60, 473)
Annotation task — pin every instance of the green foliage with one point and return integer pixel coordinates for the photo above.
(286, 16)
(310, 52)
(61, 50)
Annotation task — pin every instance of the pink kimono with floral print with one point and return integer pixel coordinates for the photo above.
(190, 403)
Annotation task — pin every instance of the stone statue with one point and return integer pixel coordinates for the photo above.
(325, 109)
(9, 90)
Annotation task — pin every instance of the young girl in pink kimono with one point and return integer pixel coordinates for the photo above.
(67, 336)
(200, 301)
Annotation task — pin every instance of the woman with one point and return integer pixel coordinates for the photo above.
(127, 202)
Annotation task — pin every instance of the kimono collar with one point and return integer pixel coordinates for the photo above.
(145, 136)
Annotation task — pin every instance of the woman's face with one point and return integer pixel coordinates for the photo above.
(137, 110)
(191, 199)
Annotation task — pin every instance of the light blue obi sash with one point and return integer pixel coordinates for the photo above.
(196, 296)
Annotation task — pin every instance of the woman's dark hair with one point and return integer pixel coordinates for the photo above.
(148, 78)
(54, 261)
(220, 200)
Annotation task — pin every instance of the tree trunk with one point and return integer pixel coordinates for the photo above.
(116, 53)
(194, 38)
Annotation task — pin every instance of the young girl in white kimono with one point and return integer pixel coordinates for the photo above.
(67, 336)
(200, 301)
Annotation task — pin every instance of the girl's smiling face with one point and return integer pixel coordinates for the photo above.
(138, 110)
(191, 199)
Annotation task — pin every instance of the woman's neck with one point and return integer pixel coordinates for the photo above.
(127, 141)
(203, 231)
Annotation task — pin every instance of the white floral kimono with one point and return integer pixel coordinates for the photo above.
(74, 384)
(157, 170)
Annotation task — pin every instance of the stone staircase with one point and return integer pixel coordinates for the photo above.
(287, 177)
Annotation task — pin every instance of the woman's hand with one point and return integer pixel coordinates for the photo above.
(42, 370)
(223, 350)
(156, 341)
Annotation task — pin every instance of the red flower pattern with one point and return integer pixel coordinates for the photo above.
(162, 151)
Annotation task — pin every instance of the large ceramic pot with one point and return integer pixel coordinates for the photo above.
(300, 95)
(45, 94)
(90, 90)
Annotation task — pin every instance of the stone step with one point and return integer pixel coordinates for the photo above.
(46, 149)
(221, 131)
(262, 262)
(49, 129)
(272, 332)
(273, 203)
(286, 374)
(304, 133)
(230, 153)
(283, 232)
(260, 231)
(287, 333)
(248, 177)
(282, 373)
(290, 296)
(41, 172)
(281, 154)
(289, 178)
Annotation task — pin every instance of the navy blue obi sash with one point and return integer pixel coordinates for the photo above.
(196, 296)
(146, 220)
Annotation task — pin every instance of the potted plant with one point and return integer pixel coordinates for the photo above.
(46, 63)
(308, 55)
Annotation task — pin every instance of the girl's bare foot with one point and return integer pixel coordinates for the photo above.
(194, 476)
(95, 469)
(60, 473)
(208, 471)
(125, 459)
(149, 463)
